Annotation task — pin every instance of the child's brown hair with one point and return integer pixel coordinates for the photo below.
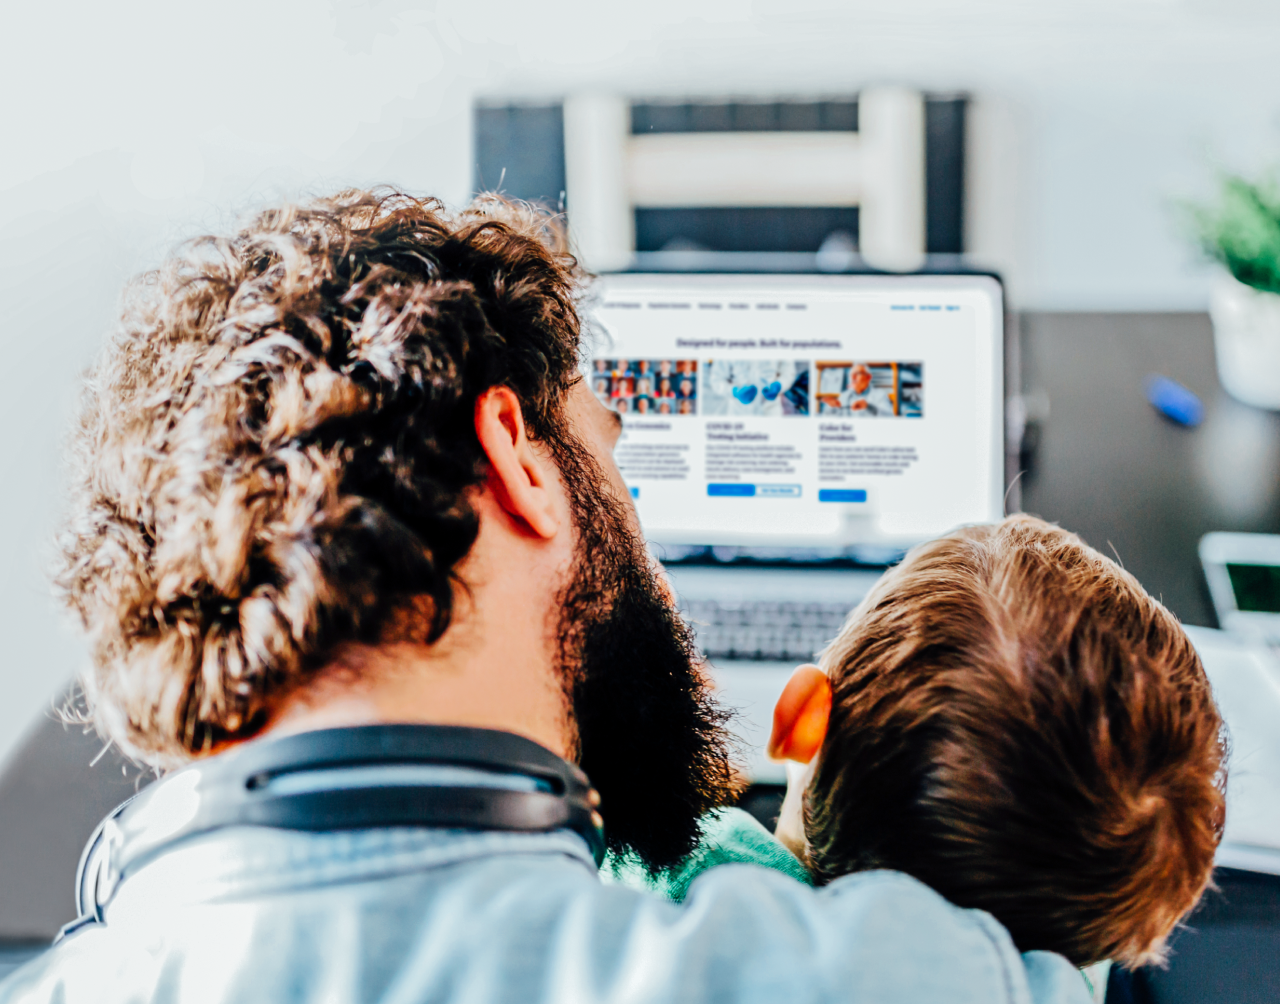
(1016, 723)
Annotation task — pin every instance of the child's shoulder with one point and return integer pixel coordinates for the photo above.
(729, 836)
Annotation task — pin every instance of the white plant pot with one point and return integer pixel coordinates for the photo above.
(1246, 340)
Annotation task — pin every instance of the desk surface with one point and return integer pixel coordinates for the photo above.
(1112, 469)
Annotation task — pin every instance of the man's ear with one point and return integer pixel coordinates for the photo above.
(520, 479)
(800, 716)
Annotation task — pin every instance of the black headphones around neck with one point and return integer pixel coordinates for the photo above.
(345, 779)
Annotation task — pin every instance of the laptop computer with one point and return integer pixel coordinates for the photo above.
(787, 436)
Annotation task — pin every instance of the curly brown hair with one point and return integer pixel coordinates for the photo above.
(1019, 725)
(275, 448)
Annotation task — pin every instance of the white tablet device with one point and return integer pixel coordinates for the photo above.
(1243, 570)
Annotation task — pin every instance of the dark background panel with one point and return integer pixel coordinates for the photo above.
(519, 150)
(1227, 952)
(745, 116)
(753, 228)
(944, 146)
(52, 795)
(1132, 483)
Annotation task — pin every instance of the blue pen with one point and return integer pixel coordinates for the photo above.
(1174, 401)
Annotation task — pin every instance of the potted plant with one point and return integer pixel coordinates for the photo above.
(1243, 233)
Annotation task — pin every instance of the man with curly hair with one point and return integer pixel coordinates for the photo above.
(339, 476)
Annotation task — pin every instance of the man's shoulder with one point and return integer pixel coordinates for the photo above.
(544, 928)
(745, 932)
(882, 922)
(86, 967)
(886, 936)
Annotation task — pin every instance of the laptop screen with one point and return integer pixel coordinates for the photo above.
(822, 413)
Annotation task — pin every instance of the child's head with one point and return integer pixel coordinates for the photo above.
(1016, 723)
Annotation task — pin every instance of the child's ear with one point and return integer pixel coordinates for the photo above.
(800, 716)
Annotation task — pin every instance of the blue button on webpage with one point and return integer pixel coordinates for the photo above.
(842, 495)
(740, 491)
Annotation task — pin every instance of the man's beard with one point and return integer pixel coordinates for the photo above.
(650, 735)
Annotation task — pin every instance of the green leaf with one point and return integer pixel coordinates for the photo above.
(1243, 231)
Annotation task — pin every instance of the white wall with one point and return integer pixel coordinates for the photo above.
(127, 125)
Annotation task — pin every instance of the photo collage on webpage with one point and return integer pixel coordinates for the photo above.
(647, 386)
(764, 388)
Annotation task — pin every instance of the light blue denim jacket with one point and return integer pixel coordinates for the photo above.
(411, 915)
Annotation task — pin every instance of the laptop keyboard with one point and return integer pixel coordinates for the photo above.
(763, 630)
